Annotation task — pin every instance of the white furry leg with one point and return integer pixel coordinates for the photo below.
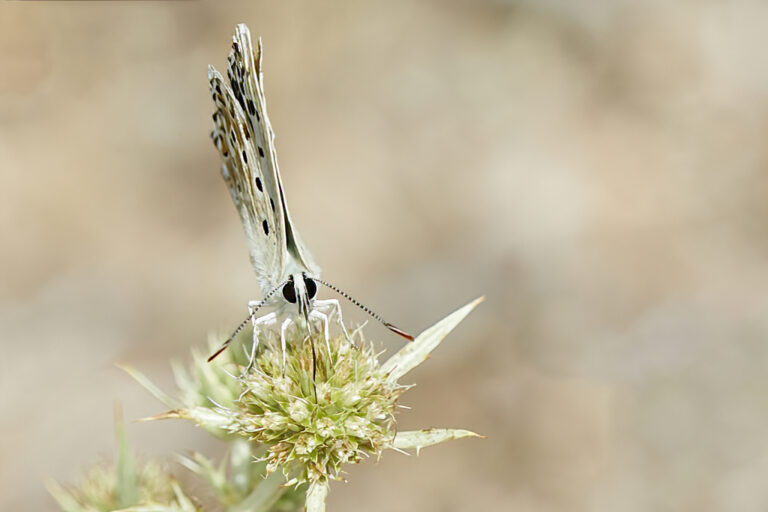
(323, 318)
(262, 321)
(331, 308)
(286, 323)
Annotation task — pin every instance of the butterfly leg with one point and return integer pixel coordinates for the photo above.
(332, 307)
(284, 327)
(262, 321)
(323, 318)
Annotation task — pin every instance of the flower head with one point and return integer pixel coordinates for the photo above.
(307, 412)
(124, 485)
(316, 414)
(102, 488)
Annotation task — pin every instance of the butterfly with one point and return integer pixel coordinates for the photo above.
(287, 273)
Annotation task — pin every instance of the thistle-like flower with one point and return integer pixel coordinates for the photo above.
(307, 412)
(313, 426)
(125, 486)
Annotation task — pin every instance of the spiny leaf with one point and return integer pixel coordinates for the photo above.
(413, 354)
(418, 439)
(149, 386)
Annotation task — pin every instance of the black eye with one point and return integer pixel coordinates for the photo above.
(311, 286)
(289, 292)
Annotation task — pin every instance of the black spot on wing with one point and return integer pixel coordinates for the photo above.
(265, 226)
(272, 203)
(239, 95)
(258, 185)
(261, 152)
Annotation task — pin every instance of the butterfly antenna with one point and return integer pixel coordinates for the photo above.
(367, 310)
(245, 322)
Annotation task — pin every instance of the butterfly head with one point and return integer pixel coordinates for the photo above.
(300, 289)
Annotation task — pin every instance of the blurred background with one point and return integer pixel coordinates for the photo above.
(596, 169)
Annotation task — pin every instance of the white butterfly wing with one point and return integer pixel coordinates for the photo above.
(244, 72)
(243, 171)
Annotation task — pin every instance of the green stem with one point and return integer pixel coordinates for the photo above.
(266, 494)
(316, 497)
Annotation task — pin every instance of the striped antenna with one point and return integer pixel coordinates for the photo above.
(366, 309)
(245, 322)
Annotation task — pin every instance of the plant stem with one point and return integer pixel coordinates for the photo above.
(266, 494)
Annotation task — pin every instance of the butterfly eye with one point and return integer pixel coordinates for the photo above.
(311, 286)
(289, 292)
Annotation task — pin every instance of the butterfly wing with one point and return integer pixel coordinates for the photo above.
(243, 171)
(244, 72)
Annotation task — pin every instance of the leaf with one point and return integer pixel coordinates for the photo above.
(264, 495)
(202, 416)
(418, 439)
(66, 501)
(316, 497)
(215, 477)
(241, 461)
(149, 386)
(127, 481)
(184, 502)
(414, 353)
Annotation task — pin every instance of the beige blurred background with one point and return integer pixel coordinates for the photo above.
(596, 169)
